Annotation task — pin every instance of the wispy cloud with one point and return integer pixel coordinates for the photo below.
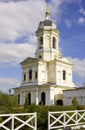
(12, 54)
(19, 19)
(81, 20)
(78, 66)
(12, 0)
(68, 23)
(82, 11)
(8, 83)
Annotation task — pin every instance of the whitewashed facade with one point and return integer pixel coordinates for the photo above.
(45, 76)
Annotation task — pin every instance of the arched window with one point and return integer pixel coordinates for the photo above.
(40, 42)
(30, 74)
(29, 98)
(54, 42)
(43, 98)
(64, 75)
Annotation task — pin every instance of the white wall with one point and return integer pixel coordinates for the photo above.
(70, 94)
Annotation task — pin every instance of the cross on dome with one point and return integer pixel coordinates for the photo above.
(47, 13)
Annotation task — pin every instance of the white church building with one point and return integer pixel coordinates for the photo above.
(45, 76)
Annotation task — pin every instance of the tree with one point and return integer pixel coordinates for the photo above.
(75, 101)
(7, 101)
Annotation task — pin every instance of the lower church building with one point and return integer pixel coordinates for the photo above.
(78, 94)
(45, 76)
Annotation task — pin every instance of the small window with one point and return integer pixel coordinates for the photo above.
(29, 98)
(40, 56)
(30, 74)
(64, 75)
(24, 77)
(35, 75)
(41, 42)
(54, 42)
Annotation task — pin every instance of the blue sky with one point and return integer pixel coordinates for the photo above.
(19, 20)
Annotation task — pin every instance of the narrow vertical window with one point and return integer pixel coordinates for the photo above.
(54, 42)
(41, 42)
(29, 99)
(36, 75)
(64, 75)
(30, 74)
(24, 77)
(43, 98)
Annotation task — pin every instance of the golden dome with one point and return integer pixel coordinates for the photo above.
(47, 12)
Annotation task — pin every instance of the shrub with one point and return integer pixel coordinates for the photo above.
(75, 101)
(7, 102)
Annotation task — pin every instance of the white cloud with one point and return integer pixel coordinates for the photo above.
(81, 20)
(12, 54)
(8, 83)
(68, 23)
(56, 9)
(82, 11)
(78, 66)
(19, 18)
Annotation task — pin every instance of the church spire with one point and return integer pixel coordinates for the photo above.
(47, 14)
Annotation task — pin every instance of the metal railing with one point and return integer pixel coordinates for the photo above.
(18, 121)
(65, 119)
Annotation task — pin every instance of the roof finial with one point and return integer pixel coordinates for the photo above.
(47, 13)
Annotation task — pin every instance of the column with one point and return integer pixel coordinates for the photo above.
(36, 96)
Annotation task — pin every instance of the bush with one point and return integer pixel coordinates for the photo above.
(8, 105)
(75, 101)
(7, 102)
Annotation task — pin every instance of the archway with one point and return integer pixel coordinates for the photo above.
(59, 102)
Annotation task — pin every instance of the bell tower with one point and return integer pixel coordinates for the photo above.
(47, 39)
